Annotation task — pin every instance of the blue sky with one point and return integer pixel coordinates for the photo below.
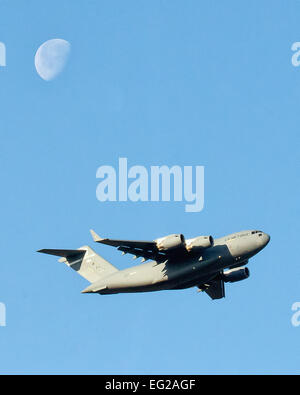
(163, 82)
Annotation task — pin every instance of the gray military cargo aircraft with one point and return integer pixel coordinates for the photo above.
(175, 263)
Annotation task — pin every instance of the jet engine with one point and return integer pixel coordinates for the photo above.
(198, 243)
(234, 275)
(170, 242)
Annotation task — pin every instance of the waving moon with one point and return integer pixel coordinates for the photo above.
(51, 58)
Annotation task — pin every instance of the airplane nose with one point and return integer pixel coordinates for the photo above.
(266, 238)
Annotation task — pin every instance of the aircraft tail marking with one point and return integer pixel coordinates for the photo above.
(85, 262)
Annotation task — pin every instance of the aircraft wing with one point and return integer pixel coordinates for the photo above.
(140, 249)
(215, 289)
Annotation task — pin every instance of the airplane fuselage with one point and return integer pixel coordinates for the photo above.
(185, 270)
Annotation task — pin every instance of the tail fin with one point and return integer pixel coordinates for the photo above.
(85, 262)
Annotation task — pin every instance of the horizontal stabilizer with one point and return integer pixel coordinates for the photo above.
(85, 262)
(63, 253)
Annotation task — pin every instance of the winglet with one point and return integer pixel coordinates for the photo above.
(95, 237)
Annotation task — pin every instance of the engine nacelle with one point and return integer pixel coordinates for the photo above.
(234, 275)
(200, 242)
(170, 242)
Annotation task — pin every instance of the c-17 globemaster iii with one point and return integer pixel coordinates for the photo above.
(173, 263)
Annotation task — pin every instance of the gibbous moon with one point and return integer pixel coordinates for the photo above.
(51, 58)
